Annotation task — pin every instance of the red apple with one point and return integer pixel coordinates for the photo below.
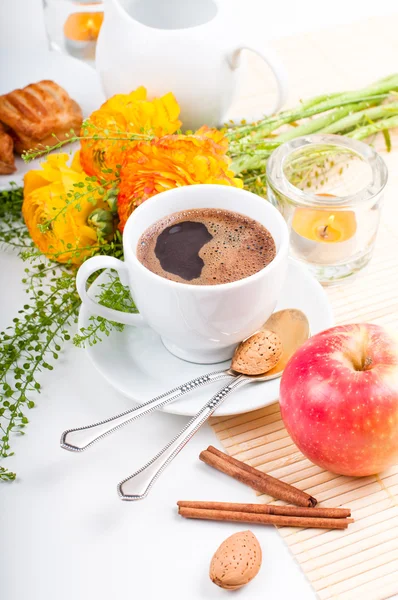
(339, 399)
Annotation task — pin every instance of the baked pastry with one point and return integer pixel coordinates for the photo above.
(7, 162)
(38, 111)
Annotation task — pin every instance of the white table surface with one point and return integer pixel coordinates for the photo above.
(64, 533)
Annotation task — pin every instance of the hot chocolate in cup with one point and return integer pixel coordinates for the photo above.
(198, 323)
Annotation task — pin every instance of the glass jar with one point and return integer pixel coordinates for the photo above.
(73, 26)
(329, 188)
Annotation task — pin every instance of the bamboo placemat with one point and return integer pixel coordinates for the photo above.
(361, 562)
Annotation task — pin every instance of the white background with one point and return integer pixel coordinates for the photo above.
(21, 24)
(64, 534)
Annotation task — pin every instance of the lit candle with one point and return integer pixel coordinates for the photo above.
(81, 31)
(322, 236)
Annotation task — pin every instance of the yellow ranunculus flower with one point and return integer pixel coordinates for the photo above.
(69, 237)
(118, 119)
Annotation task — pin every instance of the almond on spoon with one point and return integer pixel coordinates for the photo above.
(258, 354)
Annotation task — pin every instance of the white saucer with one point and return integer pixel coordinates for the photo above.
(78, 79)
(136, 363)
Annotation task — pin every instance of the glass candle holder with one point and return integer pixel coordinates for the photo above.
(329, 189)
(73, 26)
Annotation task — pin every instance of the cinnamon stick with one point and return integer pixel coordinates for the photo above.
(255, 479)
(264, 519)
(269, 509)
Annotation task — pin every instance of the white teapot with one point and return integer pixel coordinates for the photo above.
(187, 47)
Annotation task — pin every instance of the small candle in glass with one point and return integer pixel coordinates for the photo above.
(323, 236)
(73, 26)
(329, 189)
(81, 31)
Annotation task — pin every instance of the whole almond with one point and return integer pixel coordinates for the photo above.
(258, 354)
(237, 561)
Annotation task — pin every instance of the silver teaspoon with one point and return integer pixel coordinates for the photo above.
(289, 324)
(293, 330)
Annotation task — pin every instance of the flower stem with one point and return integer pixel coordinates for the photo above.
(363, 117)
(326, 123)
(367, 130)
(372, 94)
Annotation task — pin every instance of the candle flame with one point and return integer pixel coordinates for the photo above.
(331, 219)
(90, 27)
(83, 26)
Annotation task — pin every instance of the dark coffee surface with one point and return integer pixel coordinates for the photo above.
(206, 247)
(177, 249)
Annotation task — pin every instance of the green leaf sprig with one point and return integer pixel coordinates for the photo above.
(43, 325)
(88, 133)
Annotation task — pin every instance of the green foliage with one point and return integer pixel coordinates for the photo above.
(112, 295)
(32, 343)
(13, 231)
(358, 114)
(42, 327)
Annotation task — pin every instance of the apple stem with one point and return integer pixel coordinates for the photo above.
(361, 363)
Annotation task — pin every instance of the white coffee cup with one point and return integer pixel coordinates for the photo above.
(198, 323)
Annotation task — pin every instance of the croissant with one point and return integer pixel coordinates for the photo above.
(7, 162)
(36, 113)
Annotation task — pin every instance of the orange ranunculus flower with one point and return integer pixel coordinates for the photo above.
(74, 225)
(170, 162)
(124, 116)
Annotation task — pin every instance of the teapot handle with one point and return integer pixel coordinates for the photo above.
(276, 66)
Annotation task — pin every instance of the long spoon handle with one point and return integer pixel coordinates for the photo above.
(77, 440)
(138, 485)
